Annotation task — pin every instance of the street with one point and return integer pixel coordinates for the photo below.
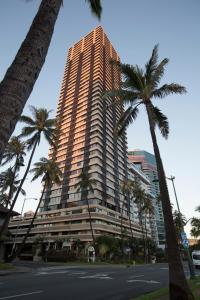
(84, 282)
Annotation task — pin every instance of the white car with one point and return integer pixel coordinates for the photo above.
(196, 258)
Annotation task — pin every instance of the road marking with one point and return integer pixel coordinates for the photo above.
(21, 295)
(146, 281)
(96, 276)
(78, 273)
(56, 268)
(51, 273)
(164, 268)
(136, 276)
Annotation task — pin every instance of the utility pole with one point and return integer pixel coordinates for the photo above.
(183, 234)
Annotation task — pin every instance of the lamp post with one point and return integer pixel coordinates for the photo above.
(14, 243)
(190, 263)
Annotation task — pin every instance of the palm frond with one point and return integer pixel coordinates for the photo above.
(26, 131)
(120, 97)
(158, 73)
(48, 170)
(151, 65)
(31, 142)
(27, 120)
(160, 120)
(168, 89)
(127, 118)
(50, 123)
(132, 76)
(96, 8)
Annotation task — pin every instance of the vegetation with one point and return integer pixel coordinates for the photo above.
(85, 185)
(140, 87)
(15, 151)
(27, 66)
(37, 126)
(195, 231)
(164, 292)
(50, 173)
(4, 266)
(9, 184)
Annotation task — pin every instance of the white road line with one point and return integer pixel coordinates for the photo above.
(164, 268)
(146, 281)
(96, 276)
(21, 295)
(78, 273)
(136, 276)
(51, 273)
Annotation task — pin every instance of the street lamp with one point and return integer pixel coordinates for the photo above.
(183, 234)
(14, 243)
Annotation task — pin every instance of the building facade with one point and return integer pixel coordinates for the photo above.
(146, 162)
(135, 174)
(86, 141)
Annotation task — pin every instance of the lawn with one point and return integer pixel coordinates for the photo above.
(163, 293)
(6, 266)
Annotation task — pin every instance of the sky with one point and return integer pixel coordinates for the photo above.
(133, 27)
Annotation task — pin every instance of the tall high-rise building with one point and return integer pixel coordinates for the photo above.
(87, 141)
(146, 162)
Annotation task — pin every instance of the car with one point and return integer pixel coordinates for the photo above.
(196, 258)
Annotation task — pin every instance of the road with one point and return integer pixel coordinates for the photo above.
(64, 282)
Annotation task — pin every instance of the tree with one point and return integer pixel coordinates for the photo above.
(126, 189)
(195, 222)
(179, 222)
(50, 173)
(140, 87)
(8, 186)
(84, 186)
(148, 211)
(19, 80)
(145, 207)
(15, 150)
(39, 125)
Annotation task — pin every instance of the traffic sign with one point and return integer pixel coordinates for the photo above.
(184, 239)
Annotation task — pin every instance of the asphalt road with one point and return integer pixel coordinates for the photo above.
(61, 282)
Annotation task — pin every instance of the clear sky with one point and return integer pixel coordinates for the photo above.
(134, 27)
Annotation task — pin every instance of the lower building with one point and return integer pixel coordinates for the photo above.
(146, 162)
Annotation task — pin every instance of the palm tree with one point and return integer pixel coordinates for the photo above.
(10, 183)
(39, 125)
(126, 189)
(148, 210)
(21, 76)
(195, 222)
(15, 150)
(85, 185)
(141, 200)
(179, 223)
(50, 173)
(140, 87)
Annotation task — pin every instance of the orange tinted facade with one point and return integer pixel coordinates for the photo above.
(86, 125)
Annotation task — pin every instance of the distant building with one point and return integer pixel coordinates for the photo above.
(146, 162)
(135, 173)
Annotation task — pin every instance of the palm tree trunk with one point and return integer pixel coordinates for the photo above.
(10, 194)
(146, 246)
(6, 220)
(178, 286)
(129, 215)
(17, 253)
(21, 76)
(90, 220)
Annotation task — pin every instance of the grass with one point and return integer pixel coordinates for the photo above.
(163, 294)
(4, 266)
